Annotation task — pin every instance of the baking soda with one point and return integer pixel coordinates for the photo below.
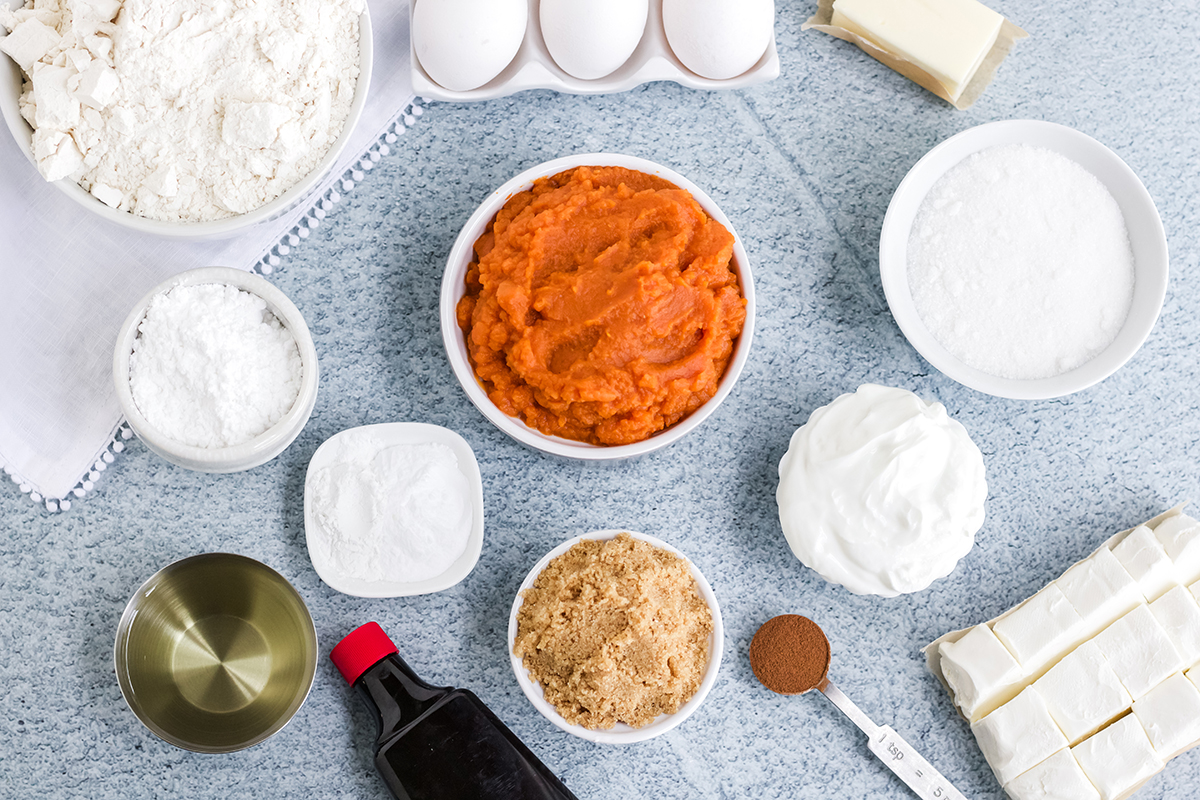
(390, 513)
(1019, 263)
(212, 367)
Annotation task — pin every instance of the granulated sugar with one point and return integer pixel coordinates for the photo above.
(1019, 263)
(212, 367)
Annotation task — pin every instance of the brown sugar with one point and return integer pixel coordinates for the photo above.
(790, 654)
(614, 631)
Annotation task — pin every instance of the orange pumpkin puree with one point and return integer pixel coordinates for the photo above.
(601, 305)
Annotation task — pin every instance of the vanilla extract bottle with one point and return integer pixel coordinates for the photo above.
(437, 743)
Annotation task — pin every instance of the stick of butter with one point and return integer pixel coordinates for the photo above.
(950, 47)
(946, 38)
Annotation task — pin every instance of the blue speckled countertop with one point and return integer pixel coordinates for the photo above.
(804, 166)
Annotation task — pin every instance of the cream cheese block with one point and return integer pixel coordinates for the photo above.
(1180, 537)
(1179, 614)
(1143, 557)
(1041, 629)
(1104, 653)
(1018, 735)
(948, 39)
(1059, 777)
(1139, 650)
(1100, 590)
(1119, 758)
(981, 672)
(1170, 715)
(1082, 693)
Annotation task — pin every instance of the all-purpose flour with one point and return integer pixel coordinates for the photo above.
(399, 513)
(212, 367)
(189, 109)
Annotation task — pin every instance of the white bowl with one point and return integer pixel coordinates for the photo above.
(261, 448)
(453, 288)
(391, 434)
(10, 91)
(1146, 237)
(619, 733)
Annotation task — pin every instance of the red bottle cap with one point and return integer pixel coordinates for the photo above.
(360, 650)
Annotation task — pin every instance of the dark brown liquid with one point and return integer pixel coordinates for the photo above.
(445, 744)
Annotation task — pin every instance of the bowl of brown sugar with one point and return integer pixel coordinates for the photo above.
(615, 637)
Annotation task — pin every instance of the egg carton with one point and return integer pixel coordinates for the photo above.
(534, 68)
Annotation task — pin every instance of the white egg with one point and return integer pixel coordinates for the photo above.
(590, 38)
(463, 44)
(719, 39)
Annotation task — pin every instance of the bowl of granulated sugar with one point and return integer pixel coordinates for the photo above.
(1024, 259)
(215, 370)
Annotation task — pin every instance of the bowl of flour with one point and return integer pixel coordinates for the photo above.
(1024, 259)
(215, 370)
(186, 120)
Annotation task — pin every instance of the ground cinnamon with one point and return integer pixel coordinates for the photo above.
(790, 654)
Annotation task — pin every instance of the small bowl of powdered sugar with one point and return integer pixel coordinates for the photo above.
(215, 370)
(1024, 259)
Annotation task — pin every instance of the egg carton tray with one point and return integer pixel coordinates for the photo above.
(534, 68)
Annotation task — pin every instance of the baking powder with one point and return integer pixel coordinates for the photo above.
(389, 513)
(1019, 263)
(186, 110)
(212, 367)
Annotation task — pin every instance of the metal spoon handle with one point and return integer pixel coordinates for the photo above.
(895, 753)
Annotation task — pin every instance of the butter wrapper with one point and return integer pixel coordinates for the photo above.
(1009, 35)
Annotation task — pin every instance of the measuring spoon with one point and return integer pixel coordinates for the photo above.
(790, 655)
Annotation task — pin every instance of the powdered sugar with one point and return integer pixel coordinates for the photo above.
(190, 110)
(212, 367)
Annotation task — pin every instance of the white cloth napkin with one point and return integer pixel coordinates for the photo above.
(68, 279)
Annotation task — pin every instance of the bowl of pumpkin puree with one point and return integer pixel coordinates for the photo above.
(597, 307)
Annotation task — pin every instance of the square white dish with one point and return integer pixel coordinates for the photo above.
(391, 434)
(534, 68)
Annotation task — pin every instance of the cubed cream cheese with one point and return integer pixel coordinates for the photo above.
(981, 672)
(1180, 537)
(1170, 715)
(1018, 735)
(1179, 615)
(946, 38)
(1082, 693)
(1139, 650)
(1119, 758)
(1143, 557)
(1100, 589)
(1041, 629)
(1059, 777)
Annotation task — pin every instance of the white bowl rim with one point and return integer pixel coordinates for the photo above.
(395, 433)
(620, 733)
(226, 227)
(452, 290)
(1137, 206)
(270, 442)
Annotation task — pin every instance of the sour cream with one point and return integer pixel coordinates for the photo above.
(881, 492)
